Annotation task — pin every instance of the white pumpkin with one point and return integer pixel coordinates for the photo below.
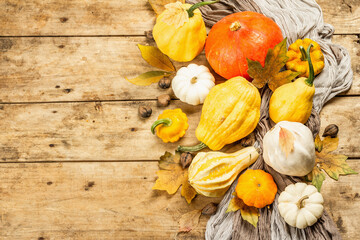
(300, 205)
(193, 83)
(289, 148)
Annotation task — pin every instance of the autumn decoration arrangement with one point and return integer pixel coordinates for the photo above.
(248, 50)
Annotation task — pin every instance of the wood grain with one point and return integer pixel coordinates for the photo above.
(113, 131)
(81, 69)
(115, 201)
(125, 17)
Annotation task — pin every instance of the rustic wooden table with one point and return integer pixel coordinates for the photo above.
(76, 161)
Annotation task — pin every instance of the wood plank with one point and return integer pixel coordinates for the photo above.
(126, 17)
(81, 69)
(115, 201)
(113, 131)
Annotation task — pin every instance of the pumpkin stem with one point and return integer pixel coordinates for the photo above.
(166, 121)
(303, 53)
(195, 148)
(235, 26)
(309, 81)
(199, 4)
(300, 203)
(193, 80)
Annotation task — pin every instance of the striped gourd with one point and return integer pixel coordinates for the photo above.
(212, 173)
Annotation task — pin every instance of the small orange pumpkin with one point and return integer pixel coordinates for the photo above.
(256, 188)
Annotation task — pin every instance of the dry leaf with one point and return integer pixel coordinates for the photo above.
(156, 58)
(286, 141)
(148, 78)
(171, 176)
(275, 60)
(333, 164)
(189, 221)
(176, 14)
(249, 214)
(159, 5)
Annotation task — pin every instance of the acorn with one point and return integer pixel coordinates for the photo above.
(144, 111)
(331, 130)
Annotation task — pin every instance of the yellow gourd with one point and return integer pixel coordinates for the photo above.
(212, 173)
(231, 111)
(180, 31)
(293, 101)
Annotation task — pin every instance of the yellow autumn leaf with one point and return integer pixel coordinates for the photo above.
(156, 58)
(187, 191)
(148, 78)
(286, 141)
(159, 5)
(275, 60)
(333, 164)
(249, 214)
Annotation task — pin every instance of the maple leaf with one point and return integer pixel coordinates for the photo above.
(286, 141)
(333, 164)
(249, 214)
(171, 176)
(159, 5)
(275, 60)
(189, 221)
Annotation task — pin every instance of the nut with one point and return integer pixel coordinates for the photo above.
(331, 130)
(185, 159)
(163, 100)
(164, 83)
(209, 209)
(149, 35)
(247, 141)
(144, 111)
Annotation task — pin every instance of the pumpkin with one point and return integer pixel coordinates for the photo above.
(289, 148)
(192, 84)
(237, 37)
(230, 112)
(300, 205)
(256, 188)
(212, 173)
(293, 101)
(180, 32)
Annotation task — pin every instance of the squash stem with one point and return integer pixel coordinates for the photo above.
(192, 148)
(199, 4)
(310, 80)
(300, 203)
(166, 121)
(303, 53)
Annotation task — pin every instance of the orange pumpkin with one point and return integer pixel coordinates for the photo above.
(256, 188)
(239, 36)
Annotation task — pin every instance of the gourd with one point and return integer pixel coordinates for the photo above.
(193, 83)
(180, 32)
(230, 112)
(297, 61)
(171, 125)
(289, 148)
(256, 188)
(293, 101)
(212, 173)
(237, 37)
(300, 205)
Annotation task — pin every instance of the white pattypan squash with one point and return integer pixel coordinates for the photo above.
(289, 148)
(300, 205)
(193, 83)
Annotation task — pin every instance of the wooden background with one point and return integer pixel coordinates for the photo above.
(77, 162)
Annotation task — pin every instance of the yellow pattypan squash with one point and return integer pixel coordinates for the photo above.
(180, 31)
(171, 125)
(230, 112)
(297, 59)
(293, 101)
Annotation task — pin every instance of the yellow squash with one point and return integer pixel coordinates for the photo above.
(180, 31)
(293, 101)
(297, 58)
(212, 173)
(230, 112)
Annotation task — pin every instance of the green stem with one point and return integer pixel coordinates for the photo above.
(303, 54)
(309, 81)
(166, 121)
(192, 148)
(199, 4)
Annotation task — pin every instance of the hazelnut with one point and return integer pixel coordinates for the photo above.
(209, 209)
(331, 130)
(144, 111)
(149, 35)
(164, 83)
(185, 159)
(163, 100)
